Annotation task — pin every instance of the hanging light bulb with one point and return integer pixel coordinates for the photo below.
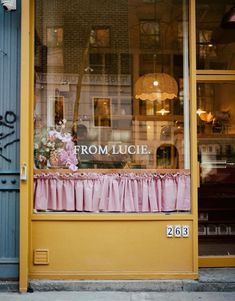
(163, 112)
(200, 111)
(155, 83)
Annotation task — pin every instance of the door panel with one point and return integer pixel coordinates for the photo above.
(216, 149)
(9, 142)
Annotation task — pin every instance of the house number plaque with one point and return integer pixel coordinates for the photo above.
(177, 231)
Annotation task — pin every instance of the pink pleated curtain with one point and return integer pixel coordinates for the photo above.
(93, 192)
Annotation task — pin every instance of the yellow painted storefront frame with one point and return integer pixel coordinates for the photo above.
(28, 220)
(26, 134)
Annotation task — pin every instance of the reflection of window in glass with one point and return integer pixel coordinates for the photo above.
(55, 46)
(126, 63)
(109, 63)
(103, 63)
(167, 156)
(102, 112)
(149, 34)
(54, 37)
(100, 37)
(55, 110)
(96, 65)
(59, 109)
(215, 44)
(206, 47)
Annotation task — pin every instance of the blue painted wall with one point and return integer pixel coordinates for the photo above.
(9, 141)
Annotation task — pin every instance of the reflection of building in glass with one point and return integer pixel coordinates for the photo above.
(100, 63)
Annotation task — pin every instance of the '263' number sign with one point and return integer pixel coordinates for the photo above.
(177, 231)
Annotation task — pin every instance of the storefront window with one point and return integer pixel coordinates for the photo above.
(111, 94)
(215, 35)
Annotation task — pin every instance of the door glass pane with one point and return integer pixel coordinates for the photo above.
(111, 87)
(216, 149)
(215, 35)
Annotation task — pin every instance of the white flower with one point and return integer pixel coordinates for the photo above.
(66, 138)
(44, 140)
(36, 146)
(49, 144)
(52, 133)
(59, 136)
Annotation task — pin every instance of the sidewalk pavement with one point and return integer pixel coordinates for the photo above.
(118, 296)
(213, 284)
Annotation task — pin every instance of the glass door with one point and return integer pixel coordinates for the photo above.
(216, 154)
(215, 53)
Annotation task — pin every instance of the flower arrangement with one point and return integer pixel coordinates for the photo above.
(56, 147)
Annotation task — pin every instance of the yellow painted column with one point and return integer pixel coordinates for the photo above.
(193, 128)
(26, 125)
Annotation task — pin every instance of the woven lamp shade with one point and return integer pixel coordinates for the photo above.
(156, 86)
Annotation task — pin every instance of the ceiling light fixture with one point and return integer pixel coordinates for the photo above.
(163, 112)
(228, 20)
(156, 86)
(200, 111)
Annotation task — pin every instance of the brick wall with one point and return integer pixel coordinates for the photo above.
(77, 18)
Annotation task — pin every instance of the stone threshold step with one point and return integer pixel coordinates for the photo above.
(132, 286)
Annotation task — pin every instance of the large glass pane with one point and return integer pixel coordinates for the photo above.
(215, 35)
(216, 148)
(111, 88)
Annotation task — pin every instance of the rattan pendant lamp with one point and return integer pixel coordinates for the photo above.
(156, 86)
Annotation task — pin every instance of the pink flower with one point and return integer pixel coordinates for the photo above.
(68, 158)
(52, 134)
(63, 156)
(42, 158)
(73, 167)
(62, 143)
(69, 146)
(66, 138)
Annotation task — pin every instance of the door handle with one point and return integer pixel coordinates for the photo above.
(23, 172)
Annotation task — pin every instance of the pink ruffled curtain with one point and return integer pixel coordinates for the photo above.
(93, 192)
